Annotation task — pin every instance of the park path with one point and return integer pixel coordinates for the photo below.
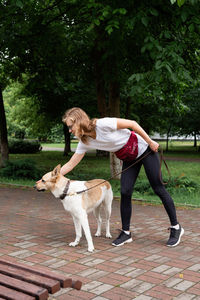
(35, 230)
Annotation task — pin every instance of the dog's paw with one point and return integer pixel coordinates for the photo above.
(90, 249)
(73, 244)
(108, 235)
(98, 233)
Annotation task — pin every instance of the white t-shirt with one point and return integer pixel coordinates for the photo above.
(109, 138)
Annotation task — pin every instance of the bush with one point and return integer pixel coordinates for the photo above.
(56, 134)
(142, 186)
(20, 133)
(24, 146)
(183, 184)
(175, 184)
(24, 168)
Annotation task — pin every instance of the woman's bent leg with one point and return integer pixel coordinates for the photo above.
(152, 168)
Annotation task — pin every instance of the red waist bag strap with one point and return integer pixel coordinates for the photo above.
(130, 150)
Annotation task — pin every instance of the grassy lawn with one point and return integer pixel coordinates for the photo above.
(92, 167)
(62, 145)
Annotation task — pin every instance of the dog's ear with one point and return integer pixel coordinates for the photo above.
(56, 171)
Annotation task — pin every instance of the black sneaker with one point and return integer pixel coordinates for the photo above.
(122, 239)
(175, 236)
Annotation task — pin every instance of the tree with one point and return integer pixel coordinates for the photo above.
(168, 52)
(3, 133)
(27, 44)
(132, 48)
(5, 69)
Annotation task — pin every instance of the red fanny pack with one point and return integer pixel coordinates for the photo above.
(130, 150)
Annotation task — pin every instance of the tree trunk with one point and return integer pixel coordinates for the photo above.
(101, 97)
(115, 166)
(114, 110)
(113, 107)
(167, 144)
(67, 140)
(114, 99)
(195, 140)
(128, 105)
(97, 55)
(167, 141)
(3, 133)
(100, 85)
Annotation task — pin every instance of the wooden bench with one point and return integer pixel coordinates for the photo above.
(18, 281)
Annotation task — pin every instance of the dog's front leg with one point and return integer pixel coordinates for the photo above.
(78, 231)
(86, 228)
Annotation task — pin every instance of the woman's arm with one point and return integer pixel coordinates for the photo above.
(75, 159)
(124, 123)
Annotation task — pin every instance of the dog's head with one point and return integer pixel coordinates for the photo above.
(48, 181)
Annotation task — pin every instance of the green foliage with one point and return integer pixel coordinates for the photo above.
(183, 184)
(175, 184)
(179, 2)
(22, 113)
(56, 134)
(24, 146)
(153, 43)
(142, 186)
(23, 120)
(20, 133)
(189, 121)
(21, 169)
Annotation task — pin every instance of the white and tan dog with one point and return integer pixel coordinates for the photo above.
(79, 205)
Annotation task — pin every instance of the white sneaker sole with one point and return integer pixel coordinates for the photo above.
(127, 241)
(182, 232)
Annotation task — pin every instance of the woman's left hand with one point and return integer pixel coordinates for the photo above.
(154, 146)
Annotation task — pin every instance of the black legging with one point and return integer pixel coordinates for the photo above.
(128, 178)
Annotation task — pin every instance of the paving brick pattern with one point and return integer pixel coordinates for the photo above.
(35, 230)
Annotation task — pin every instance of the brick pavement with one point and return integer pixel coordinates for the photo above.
(35, 230)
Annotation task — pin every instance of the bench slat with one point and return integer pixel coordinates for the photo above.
(21, 286)
(7, 293)
(64, 281)
(51, 285)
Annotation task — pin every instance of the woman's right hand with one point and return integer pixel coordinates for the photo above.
(154, 146)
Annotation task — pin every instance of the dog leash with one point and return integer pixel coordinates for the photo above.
(116, 174)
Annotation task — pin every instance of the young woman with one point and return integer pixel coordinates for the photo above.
(113, 135)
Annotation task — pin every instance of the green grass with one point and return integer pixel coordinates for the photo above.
(181, 149)
(53, 145)
(92, 167)
(61, 145)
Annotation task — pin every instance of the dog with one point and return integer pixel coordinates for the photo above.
(80, 204)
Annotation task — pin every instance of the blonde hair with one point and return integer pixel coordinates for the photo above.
(85, 126)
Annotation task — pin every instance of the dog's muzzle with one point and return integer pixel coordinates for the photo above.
(42, 190)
